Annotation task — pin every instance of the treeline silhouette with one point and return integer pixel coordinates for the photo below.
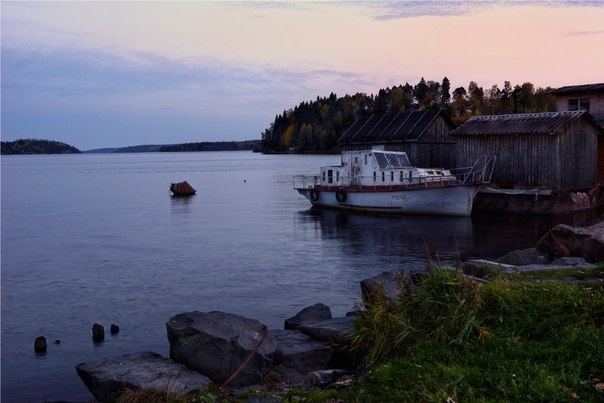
(214, 146)
(316, 126)
(35, 146)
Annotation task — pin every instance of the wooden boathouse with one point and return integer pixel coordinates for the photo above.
(546, 162)
(590, 98)
(423, 135)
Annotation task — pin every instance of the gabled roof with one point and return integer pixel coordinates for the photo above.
(392, 127)
(520, 124)
(579, 89)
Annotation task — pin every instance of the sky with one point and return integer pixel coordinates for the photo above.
(97, 74)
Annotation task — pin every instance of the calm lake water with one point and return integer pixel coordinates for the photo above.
(96, 238)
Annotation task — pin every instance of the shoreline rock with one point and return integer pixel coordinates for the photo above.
(225, 347)
(107, 379)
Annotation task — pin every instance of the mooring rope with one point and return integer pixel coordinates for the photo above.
(248, 359)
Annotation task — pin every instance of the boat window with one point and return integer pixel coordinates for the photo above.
(381, 160)
(323, 176)
(402, 176)
(356, 160)
(374, 176)
(383, 176)
(399, 160)
(391, 176)
(337, 176)
(330, 176)
(394, 160)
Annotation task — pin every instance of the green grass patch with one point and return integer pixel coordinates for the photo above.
(517, 338)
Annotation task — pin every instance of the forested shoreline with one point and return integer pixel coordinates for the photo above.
(315, 126)
(35, 146)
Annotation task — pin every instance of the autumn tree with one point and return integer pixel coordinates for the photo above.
(476, 100)
(459, 101)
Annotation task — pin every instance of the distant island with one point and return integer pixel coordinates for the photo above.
(34, 146)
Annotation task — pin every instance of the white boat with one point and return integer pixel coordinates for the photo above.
(386, 182)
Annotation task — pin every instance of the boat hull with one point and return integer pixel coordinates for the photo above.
(454, 200)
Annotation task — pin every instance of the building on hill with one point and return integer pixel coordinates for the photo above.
(585, 97)
(545, 161)
(423, 135)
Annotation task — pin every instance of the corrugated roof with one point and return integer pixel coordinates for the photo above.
(516, 124)
(579, 89)
(391, 127)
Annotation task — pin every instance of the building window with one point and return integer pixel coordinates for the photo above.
(578, 104)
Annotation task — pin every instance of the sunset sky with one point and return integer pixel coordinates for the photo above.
(110, 74)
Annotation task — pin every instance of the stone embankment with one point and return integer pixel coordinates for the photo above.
(313, 349)
(231, 351)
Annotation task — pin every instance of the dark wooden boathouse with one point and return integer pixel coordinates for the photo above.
(549, 158)
(586, 97)
(423, 135)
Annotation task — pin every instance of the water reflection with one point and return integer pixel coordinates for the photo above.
(181, 203)
(411, 239)
(395, 237)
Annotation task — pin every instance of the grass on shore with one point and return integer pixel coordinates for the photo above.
(527, 337)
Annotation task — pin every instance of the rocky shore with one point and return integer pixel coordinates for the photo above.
(237, 354)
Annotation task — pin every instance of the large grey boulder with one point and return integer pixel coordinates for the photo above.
(564, 241)
(107, 379)
(334, 330)
(524, 257)
(219, 344)
(310, 314)
(389, 284)
(298, 351)
(317, 323)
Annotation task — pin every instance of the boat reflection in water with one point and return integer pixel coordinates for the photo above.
(401, 241)
(409, 242)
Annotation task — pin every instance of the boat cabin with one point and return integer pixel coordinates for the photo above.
(379, 168)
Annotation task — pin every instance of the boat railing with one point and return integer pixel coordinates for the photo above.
(480, 172)
(305, 182)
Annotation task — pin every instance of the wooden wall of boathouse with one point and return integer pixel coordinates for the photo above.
(564, 159)
(432, 155)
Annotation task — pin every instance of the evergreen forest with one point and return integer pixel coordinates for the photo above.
(315, 126)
